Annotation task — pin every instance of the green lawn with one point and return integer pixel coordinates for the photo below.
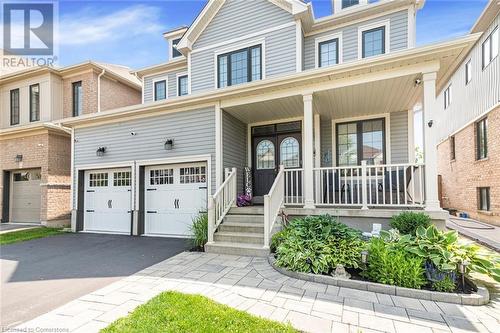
(24, 235)
(176, 312)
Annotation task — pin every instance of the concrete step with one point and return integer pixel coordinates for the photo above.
(253, 250)
(244, 218)
(239, 237)
(246, 227)
(248, 210)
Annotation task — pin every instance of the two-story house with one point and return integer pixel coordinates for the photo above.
(469, 126)
(260, 97)
(35, 163)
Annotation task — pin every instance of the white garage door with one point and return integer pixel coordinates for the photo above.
(108, 199)
(26, 196)
(175, 194)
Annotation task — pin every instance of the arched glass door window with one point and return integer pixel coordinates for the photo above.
(265, 155)
(289, 153)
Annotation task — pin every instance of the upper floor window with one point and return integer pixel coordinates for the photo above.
(447, 97)
(14, 107)
(468, 71)
(482, 139)
(452, 148)
(160, 90)
(240, 66)
(34, 102)
(373, 42)
(490, 48)
(77, 99)
(328, 52)
(182, 84)
(349, 3)
(175, 52)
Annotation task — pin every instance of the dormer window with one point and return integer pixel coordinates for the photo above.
(349, 3)
(241, 66)
(175, 52)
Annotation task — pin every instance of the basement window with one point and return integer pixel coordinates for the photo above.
(483, 194)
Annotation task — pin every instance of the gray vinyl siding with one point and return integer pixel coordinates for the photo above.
(326, 142)
(238, 19)
(399, 137)
(398, 38)
(171, 84)
(193, 133)
(234, 143)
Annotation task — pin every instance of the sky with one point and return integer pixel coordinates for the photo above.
(129, 32)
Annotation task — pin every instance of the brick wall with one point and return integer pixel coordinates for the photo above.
(462, 177)
(50, 153)
(115, 95)
(89, 88)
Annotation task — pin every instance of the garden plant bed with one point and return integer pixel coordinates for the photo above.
(481, 297)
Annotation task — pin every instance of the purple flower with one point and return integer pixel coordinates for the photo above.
(243, 200)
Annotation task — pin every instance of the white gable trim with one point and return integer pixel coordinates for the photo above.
(294, 7)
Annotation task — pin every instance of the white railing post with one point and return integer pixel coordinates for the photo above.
(211, 218)
(235, 187)
(267, 218)
(364, 184)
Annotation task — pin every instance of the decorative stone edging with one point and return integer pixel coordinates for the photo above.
(480, 298)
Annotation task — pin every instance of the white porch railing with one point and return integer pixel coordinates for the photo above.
(221, 202)
(273, 201)
(390, 185)
(294, 190)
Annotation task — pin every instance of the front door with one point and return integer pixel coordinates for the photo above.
(273, 145)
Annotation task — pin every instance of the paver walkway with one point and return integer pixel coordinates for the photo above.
(483, 233)
(252, 285)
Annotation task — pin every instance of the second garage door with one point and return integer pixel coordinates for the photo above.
(175, 194)
(108, 201)
(26, 196)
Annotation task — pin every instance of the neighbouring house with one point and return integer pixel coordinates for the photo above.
(469, 126)
(35, 163)
(313, 115)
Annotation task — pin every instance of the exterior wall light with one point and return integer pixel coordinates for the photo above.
(19, 158)
(100, 151)
(169, 144)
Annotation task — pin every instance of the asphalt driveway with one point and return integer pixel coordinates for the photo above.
(43, 274)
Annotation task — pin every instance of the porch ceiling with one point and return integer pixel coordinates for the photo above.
(370, 98)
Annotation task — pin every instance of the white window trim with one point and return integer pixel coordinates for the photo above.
(468, 78)
(447, 101)
(319, 40)
(386, 116)
(158, 79)
(337, 6)
(177, 82)
(490, 39)
(255, 42)
(384, 23)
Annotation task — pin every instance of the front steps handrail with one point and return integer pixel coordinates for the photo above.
(273, 201)
(221, 202)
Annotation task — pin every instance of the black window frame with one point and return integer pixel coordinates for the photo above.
(482, 139)
(468, 77)
(175, 52)
(14, 113)
(179, 85)
(337, 41)
(37, 114)
(359, 140)
(249, 64)
(77, 97)
(480, 199)
(350, 4)
(154, 90)
(364, 32)
(453, 153)
(490, 50)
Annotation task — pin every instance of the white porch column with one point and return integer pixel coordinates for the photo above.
(430, 149)
(219, 169)
(317, 141)
(308, 151)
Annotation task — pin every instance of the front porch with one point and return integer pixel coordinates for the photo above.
(343, 147)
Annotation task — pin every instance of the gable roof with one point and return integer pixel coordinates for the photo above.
(294, 7)
(491, 10)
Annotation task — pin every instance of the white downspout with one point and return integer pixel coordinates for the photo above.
(99, 90)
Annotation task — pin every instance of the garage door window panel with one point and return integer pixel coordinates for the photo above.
(121, 178)
(193, 175)
(161, 176)
(98, 179)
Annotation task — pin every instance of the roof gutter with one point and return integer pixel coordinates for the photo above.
(99, 90)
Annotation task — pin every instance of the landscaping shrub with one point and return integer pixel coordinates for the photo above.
(446, 285)
(199, 230)
(408, 222)
(390, 265)
(317, 244)
(278, 238)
